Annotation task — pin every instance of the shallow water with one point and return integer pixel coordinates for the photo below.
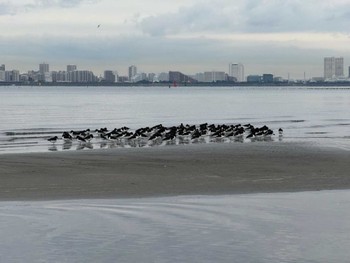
(282, 227)
(30, 115)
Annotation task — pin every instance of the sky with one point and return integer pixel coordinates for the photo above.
(267, 36)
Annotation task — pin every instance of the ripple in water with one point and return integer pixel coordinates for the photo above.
(285, 227)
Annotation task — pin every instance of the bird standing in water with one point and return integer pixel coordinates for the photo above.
(53, 139)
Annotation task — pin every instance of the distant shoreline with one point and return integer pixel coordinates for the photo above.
(170, 84)
(211, 169)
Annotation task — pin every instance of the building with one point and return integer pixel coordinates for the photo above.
(109, 76)
(176, 76)
(163, 77)
(12, 76)
(236, 71)
(151, 77)
(2, 75)
(139, 77)
(132, 72)
(60, 76)
(71, 68)
(214, 76)
(81, 76)
(333, 67)
(254, 79)
(2, 67)
(44, 68)
(267, 78)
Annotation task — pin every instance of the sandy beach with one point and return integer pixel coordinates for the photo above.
(173, 170)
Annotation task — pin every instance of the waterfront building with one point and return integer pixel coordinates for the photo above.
(139, 77)
(163, 77)
(81, 76)
(12, 76)
(43, 68)
(267, 78)
(132, 72)
(176, 76)
(109, 76)
(199, 77)
(2, 75)
(333, 67)
(214, 76)
(60, 76)
(71, 68)
(123, 79)
(254, 79)
(236, 70)
(151, 77)
(2, 67)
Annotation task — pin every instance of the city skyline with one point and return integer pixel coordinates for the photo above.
(283, 37)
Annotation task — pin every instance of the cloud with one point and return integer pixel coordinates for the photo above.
(58, 3)
(14, 7)
(6, 9)
(257, 16)
(158, 54)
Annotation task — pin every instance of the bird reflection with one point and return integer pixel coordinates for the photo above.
(52, 148)
(67, 145)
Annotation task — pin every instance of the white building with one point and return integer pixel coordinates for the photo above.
(214, 76)
(164, 76)
(132, 72)
(12, 76)
(333, 67)
(236, 70)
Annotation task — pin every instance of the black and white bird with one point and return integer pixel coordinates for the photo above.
(53, 139)
(280, 131)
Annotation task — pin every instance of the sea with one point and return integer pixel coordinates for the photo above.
(311, 226)
(31, 115)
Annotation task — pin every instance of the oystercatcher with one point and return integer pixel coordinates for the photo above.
(53, 139)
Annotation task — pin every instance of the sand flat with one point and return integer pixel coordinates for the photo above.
(173, 170)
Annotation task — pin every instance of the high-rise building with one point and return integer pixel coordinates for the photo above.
(333, 67)
(44, 68)
(132, 72)
(2, 67)
(236, 70)
(71, 68)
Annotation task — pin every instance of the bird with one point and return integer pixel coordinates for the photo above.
(81, 139)
(280, 131)
(67, 136)
(98, 26)
(53, 139)
(89, 137)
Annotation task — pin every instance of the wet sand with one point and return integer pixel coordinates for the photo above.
(227, 168)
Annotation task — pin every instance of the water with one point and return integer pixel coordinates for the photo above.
(283, 227)
(30, 115)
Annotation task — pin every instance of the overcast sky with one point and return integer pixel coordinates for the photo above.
(267, 36)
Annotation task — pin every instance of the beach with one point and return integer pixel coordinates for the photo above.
(198, 169)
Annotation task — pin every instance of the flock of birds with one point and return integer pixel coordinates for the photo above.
(163, 133)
